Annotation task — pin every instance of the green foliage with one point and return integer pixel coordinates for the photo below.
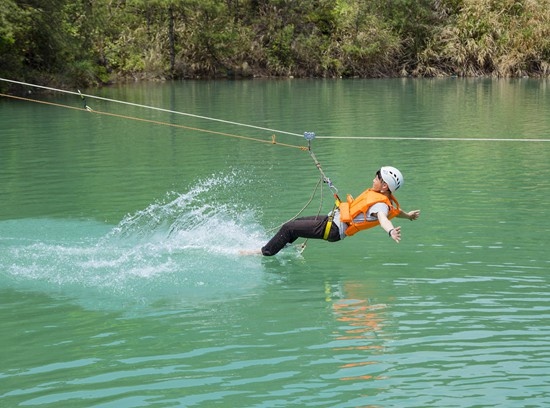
(12, 19)
(46, 41)
(84, 42)
(365, 44)
(493, 37)
(218, 48)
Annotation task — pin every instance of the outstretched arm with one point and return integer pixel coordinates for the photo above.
(395, 232)
(411, 215)
(386, 224)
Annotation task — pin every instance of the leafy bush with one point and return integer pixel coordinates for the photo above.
(84, 42)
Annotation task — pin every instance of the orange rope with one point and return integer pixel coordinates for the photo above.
(272, 141)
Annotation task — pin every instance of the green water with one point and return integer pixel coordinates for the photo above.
(121, 283)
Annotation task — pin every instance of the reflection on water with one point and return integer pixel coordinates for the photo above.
(361, 331)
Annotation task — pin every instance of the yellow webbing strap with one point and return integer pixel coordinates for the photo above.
(331, 217)
(327, 228)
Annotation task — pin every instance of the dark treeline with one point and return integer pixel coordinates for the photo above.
(89, 42)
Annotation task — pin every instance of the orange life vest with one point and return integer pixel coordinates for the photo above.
(360, 205)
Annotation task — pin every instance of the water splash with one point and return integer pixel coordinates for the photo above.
(206, 217)
(183, 247)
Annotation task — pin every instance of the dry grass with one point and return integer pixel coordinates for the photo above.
(502, 38)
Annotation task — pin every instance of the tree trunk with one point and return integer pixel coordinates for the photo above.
(171, 40)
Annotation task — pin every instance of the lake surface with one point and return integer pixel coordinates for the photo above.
(121, 282)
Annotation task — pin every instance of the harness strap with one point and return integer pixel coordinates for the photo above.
(328, 227)
(331, 217)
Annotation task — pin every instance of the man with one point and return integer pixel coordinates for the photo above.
(375, 206)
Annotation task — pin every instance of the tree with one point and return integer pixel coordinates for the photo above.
(47, 40)
(364, 44)
(13, 21)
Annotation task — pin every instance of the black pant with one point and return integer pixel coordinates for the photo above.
(305, 227)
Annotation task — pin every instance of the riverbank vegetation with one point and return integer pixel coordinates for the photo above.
(90, 42)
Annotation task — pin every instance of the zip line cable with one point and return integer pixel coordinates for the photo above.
(156, 122)
(434, 139)
(387, 138)
(309, 136)
(148, 107)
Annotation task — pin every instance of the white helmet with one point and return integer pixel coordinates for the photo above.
(392, 177)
